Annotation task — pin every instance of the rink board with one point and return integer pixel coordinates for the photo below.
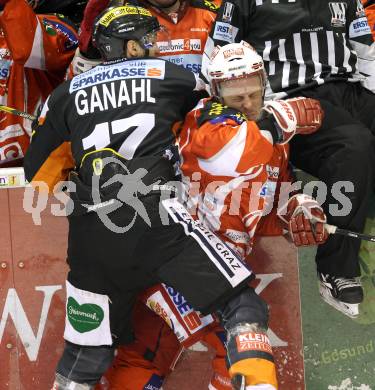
(32, 273)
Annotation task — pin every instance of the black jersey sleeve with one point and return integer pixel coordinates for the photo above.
(49, 158)
(190, 85)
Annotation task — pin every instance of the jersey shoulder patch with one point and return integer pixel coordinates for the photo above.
(56, 24)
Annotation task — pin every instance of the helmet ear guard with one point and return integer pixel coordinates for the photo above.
(117, 25)
(234, 61)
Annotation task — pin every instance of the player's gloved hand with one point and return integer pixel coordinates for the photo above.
(295, 116)
(80, 63)
(304, 219)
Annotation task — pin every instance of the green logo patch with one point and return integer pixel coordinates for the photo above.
(84, 318)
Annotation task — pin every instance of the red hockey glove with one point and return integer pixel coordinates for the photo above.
(305, 220)
(295, 116)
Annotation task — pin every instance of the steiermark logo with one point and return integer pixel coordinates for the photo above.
(84, 318)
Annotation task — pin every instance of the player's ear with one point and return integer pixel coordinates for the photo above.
(134, 49)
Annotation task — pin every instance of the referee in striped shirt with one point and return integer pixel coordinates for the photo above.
(323, 50)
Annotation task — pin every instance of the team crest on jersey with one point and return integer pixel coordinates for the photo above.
(338, 12)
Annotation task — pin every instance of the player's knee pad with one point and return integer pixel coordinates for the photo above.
(247, 307)
(84, 364)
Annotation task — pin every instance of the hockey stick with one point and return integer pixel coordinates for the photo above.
(13, 111)
(331, 229)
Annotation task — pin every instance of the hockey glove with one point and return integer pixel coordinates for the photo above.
(81, 63)
(304, 219)
(294, 116)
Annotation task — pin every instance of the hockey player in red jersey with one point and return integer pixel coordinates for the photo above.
(233, 160)
(235, 148)
(35, 51)
(233, 141)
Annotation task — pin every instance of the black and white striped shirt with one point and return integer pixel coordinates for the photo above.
(304, 43)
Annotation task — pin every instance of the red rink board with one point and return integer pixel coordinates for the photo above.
(32, 274)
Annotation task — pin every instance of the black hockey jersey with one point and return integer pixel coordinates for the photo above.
(129, 106)
(304, 43)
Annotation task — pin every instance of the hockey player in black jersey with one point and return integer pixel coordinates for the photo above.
(322, 50)
(110, 128)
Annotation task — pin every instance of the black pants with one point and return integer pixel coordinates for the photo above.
(108, 268)
(156, 247)
(343, 149)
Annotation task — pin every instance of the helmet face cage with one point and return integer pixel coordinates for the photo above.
(116, 25)
(234, 61)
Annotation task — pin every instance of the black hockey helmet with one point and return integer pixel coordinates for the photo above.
(116, 25)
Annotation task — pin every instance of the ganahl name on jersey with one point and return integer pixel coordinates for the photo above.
(105, 96)
(104, 73)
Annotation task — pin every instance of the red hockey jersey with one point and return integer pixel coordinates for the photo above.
(232, 173)
(35, 51)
